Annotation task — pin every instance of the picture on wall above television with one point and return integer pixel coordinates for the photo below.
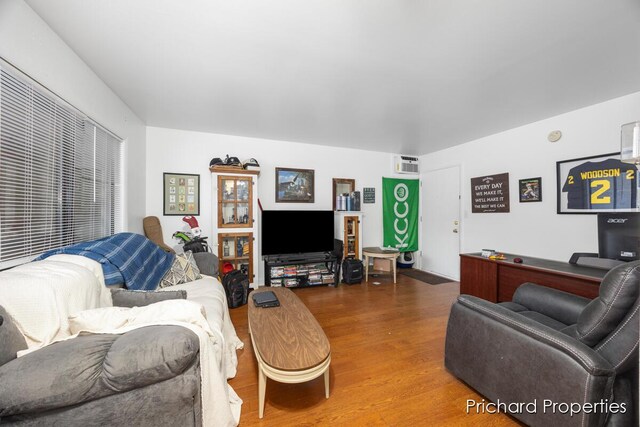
(294, 185)
(590, 185)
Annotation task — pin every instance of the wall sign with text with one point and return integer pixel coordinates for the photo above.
(369, 195)
(490, 194)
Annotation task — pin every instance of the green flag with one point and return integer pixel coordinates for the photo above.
(400, 198)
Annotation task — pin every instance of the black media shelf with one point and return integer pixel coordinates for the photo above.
(300, 270)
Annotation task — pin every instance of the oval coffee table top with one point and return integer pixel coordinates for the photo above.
(288, 337)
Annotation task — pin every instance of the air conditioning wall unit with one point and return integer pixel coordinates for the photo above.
(406, 164)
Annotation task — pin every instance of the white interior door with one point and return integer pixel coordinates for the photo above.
(441, 222)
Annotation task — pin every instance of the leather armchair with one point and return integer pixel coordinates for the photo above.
(551, 347)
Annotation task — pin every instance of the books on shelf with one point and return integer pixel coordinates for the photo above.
(315, 279)
(289, 283)
(295, 275)
(276, 283)
(327, 278)
(277, 271)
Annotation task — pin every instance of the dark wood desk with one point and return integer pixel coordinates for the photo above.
(497, 280)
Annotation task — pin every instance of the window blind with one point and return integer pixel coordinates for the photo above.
(60, 172)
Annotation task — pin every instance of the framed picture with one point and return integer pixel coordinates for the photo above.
(294, 185)
(181, 194)
(342, 186)
(530, 190)
(590, 185)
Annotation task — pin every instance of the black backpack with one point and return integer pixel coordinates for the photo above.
(352, 270)
(236, 286)
(197, 244)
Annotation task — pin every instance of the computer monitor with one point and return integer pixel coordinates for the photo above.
(619, 236)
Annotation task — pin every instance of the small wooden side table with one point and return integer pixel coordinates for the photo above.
(373, 252)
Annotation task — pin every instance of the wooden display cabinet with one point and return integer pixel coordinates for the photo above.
(235, 196)
(348, 228)
(351, 237)
(237, 249)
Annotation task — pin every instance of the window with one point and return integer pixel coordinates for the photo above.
(60, 173)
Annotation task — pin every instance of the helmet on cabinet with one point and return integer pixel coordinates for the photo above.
(251, 164)
(216, 161)
(232, 161)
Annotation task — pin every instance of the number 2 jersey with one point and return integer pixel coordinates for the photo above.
(609, 184)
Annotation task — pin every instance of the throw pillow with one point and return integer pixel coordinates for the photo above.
(127, 298)
(207, 263)
(183, 270)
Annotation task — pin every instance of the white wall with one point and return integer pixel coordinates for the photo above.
(170, 150)
(535, 229)
(29, 44)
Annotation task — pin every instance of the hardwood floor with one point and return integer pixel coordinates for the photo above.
(387, 362)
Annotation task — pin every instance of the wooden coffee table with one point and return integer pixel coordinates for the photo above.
(288, 342)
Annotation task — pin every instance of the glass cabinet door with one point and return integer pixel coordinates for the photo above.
(235, 249)
(351, 237)
(235, 202)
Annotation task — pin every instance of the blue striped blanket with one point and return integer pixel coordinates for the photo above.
(126, 258)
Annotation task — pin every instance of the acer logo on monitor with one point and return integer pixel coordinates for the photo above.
(617, 220)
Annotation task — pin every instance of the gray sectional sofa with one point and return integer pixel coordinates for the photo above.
(149, 376)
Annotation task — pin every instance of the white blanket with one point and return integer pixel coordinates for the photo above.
(209, 292)
(220, 404)
(41, 295)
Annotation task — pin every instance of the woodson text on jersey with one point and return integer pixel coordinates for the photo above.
(609, 184)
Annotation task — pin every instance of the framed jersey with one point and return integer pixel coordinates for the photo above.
(596, 184)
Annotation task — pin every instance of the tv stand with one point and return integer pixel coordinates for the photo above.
(300, 270)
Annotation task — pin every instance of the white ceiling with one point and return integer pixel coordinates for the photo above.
(403, 76)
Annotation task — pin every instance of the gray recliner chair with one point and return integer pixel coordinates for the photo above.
(548, 346)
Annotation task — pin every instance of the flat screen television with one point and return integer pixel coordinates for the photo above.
(296, 232)
(619, 236)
